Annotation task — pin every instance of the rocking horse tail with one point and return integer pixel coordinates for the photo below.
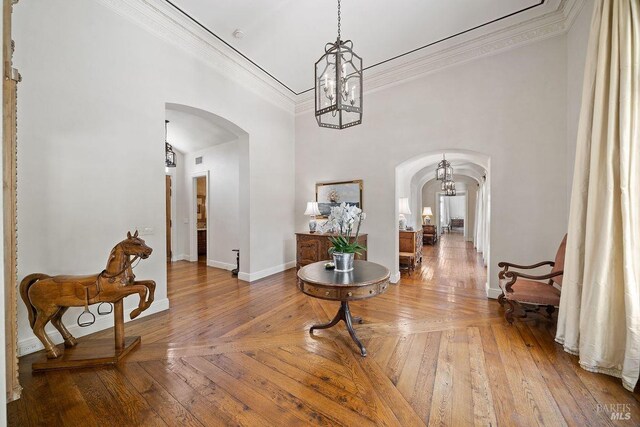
(24, 293)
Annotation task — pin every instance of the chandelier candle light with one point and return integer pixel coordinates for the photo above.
(338, 85)
(312, 211)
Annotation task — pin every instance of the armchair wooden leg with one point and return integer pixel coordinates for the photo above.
(508, 314)
(501, 299)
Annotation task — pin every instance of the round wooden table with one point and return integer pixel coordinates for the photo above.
(365, 281)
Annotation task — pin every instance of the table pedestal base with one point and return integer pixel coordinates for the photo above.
(344, 314)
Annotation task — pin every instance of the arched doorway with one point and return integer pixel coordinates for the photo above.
(473, 169)
(209, 215)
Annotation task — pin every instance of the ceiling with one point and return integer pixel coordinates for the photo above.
(190, 131)
(286, 37)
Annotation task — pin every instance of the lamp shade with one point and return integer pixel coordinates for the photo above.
(426, 211)
(403, 208)
(312, 209)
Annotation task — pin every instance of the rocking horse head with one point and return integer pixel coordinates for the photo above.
(135, 246)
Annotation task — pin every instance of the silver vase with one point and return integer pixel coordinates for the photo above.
(343, 261)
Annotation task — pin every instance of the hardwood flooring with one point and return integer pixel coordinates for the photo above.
(230, 353)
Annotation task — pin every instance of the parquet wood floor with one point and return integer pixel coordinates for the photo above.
(230, 353)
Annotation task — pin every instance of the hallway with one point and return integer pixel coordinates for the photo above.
(451, 262)
(228, 352)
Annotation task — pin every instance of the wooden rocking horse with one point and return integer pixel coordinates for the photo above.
(47, 299)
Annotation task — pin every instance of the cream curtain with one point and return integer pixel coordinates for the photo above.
(599, 317)
(480, 232)
(446, 211)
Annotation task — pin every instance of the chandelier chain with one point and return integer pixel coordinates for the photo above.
(338, 19)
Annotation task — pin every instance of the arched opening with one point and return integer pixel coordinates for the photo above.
(415, 180)
(208, 201)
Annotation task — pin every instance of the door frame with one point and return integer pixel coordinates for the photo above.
(174, 212)
(466, 211)
(193, 223)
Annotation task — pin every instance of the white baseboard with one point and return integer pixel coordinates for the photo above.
(181, 257)
(395, 277)
(252, 277)
(492, 293)
(220, 264)
(32, 344)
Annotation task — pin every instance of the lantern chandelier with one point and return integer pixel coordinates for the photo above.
(338, 85)
(449, 188)
(444, 171)
(169, 154)
(448, 185)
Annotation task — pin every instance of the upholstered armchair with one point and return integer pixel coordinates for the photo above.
(532, 292)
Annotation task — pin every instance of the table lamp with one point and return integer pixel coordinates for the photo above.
(312, 211)
(404, 210)
(426, 215)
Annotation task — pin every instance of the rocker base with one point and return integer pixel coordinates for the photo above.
(86, 354)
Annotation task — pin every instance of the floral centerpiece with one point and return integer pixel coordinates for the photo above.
(344, 219)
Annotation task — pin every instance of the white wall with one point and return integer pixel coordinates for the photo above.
(91, 163)
(222, 163)
(510, 106)
(457, 208)
(577, 40)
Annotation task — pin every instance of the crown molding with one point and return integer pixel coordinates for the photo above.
(543, 27)
(163, 21)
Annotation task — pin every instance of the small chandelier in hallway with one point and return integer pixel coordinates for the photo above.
(449, 188)
(169, 154)
(338, 85)
(444, 171)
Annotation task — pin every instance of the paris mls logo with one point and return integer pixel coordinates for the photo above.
(617, 411)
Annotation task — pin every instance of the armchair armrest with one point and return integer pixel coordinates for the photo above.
(513, 275)
(505, 266)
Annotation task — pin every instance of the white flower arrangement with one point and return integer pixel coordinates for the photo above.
(343, 219)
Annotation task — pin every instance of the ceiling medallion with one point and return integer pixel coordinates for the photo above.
(169, 154)
(338, 85)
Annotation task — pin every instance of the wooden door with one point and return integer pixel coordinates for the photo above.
(168, 213)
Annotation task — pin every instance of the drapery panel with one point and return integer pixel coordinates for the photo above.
(480, 226)
(599, 316)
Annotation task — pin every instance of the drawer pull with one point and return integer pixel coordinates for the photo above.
(349, 294)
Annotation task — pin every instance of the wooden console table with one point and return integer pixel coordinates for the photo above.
(365, 281)
(314, 247)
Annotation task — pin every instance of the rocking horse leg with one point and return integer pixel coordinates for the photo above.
(42, 318)
(151, 286)
(142, 291)
(56, 321)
